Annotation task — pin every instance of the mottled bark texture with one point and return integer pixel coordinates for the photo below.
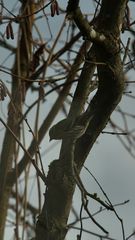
(105, 54)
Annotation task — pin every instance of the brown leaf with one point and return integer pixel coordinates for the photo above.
(9, 31)
(54, 8)
(3, 91)
(57, 8)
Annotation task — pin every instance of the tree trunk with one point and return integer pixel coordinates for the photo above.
(52, 222)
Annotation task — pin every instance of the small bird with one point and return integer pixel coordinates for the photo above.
(66, 129)
(58, 130)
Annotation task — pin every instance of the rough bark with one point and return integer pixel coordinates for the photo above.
(52, 222)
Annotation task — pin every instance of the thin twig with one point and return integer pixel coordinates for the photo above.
(26, 152)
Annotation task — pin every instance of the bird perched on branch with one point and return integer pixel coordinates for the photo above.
(61, 130)
(67, 128)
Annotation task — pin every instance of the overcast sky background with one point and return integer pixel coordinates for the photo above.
(110, 163)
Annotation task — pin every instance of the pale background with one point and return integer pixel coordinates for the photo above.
(110, 163)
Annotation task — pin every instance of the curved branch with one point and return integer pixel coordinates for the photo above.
(61, 184)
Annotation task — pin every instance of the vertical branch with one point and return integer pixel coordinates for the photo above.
(20, 68)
